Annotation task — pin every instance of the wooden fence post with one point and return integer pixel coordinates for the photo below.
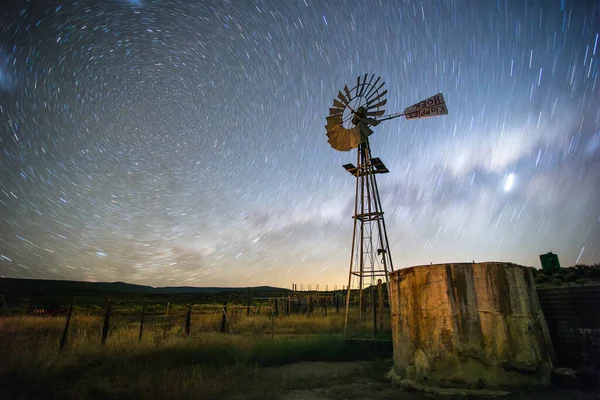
(373, 295)
(188, 320)
(224, 317)
(287, 307)
(337, 303)
(272, 324)
(63, 339)
(142, 322)
(276, 306)
(381, 310)
(248, 308)
(106, 321)
(325, 305)
(166, 322)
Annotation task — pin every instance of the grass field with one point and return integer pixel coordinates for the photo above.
(166, 363)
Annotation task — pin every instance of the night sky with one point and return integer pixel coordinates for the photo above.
(183, 142)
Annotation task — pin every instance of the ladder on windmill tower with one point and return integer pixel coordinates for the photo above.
(371, 258)
(348, 127)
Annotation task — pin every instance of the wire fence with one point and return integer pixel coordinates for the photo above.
(121, 320)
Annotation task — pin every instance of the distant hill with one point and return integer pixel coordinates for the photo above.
(43, 286)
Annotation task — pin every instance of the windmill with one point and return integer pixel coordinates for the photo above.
(348, 127)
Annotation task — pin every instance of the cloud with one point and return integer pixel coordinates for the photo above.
(7, 80)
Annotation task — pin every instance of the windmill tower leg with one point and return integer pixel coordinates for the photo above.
(370, 255)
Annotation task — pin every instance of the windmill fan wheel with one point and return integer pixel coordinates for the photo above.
(354, 111)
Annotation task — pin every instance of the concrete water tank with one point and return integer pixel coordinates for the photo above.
(469, 325)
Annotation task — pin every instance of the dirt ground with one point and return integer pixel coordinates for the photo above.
(360, 380)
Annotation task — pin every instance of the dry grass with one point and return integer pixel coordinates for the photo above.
(165, 363)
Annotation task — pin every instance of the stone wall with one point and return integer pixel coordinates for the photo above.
(573, 316)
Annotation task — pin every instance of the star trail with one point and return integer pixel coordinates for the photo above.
(183, 142)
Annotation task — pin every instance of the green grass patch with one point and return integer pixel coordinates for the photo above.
(281, 351)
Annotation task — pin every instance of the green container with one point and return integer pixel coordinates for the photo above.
(549, 262)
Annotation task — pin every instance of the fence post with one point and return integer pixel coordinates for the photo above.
(63, 339)
(373, 298)
(272, 324)
(381, 310)
(325, 305)
(188, 320)
(287, 306)
(3, 306)
(276, 306)
(106, 321)
(142, 322)
(165, 323)
(337, 303)
(224, 318)
(309, 305)
(248, 308)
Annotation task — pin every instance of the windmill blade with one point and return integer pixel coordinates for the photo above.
(338, 139)
(338, 104)
(370, 81)
(333, 134)
(333, 121)
(368, 94)
(335, 111)
(380, 104)
(330, 127)
(347, 94)
(340, 142)
(358, 86)
(343, 99)
(375, 113)
(376, 98)
(343, 139)
(376, 91)
(362, 90)
(353, 137)
(336, 118)
(369, 84)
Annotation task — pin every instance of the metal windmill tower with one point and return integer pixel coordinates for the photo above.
(348, 127)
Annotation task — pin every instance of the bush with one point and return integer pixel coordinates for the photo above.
(571, 276)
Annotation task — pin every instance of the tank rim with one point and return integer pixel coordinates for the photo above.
(456, 264)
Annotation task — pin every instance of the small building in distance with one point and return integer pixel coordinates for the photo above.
(550, 262)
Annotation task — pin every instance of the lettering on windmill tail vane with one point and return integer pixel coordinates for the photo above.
(435, 105)
(430, 102)
(428, 112)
